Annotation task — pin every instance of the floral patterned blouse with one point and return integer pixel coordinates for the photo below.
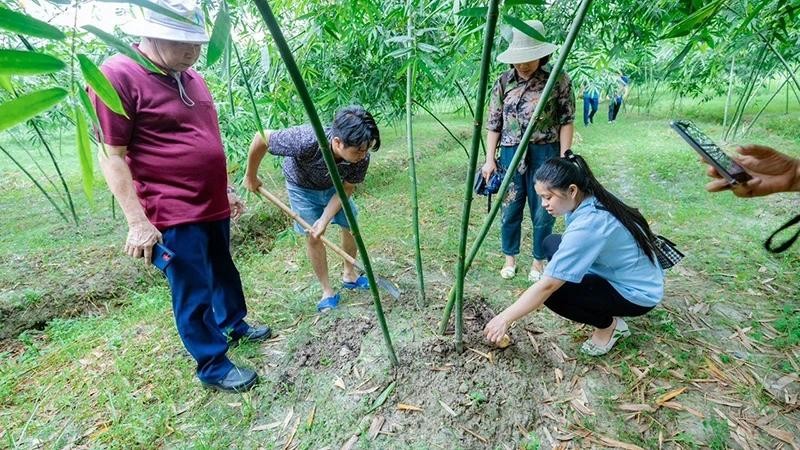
(513, 101)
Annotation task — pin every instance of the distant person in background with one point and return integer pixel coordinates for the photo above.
(166, 167)
(514, 97)
(617, 96)
(591, 101)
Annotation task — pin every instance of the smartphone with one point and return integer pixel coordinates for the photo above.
(710, 151)
(162, 256)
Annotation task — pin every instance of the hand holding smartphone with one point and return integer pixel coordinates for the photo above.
(710, 152)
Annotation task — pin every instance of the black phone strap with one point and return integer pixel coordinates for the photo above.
(787, 243)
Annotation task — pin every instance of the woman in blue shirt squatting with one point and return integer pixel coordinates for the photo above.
(601, 269)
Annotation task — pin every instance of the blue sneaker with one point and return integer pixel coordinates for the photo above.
(361, 284)
(328, 303)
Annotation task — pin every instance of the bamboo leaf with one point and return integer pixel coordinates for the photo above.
(101, 86)
(123, 48)
(84, 155)
(428, 48)
(479, 11)
(382, 398)
(685, 26)
(5, 83)
(18, 62)
(524, 2)
(524, 27)
(28, 106)
(17, 22)
(219, 37)
(156, 8)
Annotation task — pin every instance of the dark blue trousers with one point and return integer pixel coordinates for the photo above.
(521, 191)
(207, 297)
(590, 105)
(613, 107)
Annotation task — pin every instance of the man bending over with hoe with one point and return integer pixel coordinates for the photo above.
(312, 195)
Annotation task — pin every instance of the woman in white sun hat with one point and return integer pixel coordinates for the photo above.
(514, 98)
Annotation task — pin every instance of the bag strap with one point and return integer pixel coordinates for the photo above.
(787, 243)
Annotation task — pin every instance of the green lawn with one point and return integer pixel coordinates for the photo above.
(117, 376)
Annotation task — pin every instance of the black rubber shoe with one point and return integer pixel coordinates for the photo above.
(237, 380)
(257, 333)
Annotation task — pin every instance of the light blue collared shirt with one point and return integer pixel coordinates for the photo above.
(596, 242)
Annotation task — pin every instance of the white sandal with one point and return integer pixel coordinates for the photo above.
(534, 276)
(620, 331)
(508, 272)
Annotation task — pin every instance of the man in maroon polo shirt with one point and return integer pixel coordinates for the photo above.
(166, 167)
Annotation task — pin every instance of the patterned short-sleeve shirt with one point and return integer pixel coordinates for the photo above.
(513, 101)
(304, 165)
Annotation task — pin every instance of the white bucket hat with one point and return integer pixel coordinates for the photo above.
(524, 48)
(159, 26)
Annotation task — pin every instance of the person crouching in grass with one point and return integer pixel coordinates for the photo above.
(602, 268)
(352, 135)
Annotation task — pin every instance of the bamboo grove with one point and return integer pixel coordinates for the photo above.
(395, 57)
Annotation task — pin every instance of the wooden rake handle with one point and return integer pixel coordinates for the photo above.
(306, 226)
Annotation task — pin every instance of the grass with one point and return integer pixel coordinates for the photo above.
(118, 377)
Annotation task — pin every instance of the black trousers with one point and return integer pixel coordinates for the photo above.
(593, 301)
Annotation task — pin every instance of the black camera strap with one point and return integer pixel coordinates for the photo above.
(787, 243)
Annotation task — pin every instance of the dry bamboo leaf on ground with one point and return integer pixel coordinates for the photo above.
(448, 409)
(670, 395)
(408, 407)
(310, 421)
(559, 375)
(476, 435)
(784, 436)
(288, 418)
(617, 444)
(679, 407)
(724, 402)
(266, 427)
(480, 353)
(291, 435)
(350, 443)
(339, 383)
(636, 407)
(534, 344)
(364, 391)
(375, 427)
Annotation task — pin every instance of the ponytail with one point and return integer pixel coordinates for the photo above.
(560, 173)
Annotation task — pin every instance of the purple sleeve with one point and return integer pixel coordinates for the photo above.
(117, 129)
(299, 141)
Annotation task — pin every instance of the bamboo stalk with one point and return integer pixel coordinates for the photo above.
(748, 94)
(730, 94)
(412, 158)
(477, 132)
(294, 72)
(520, 152)
(466, 152)
(35, 183)
(249, 90)
(758, 114)
(471, 111)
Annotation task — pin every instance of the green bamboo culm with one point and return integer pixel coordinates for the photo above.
(313, 117)
(477, 131)
(520, 152)
(412, 164)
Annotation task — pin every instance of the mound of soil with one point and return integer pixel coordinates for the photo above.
(484, 395)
